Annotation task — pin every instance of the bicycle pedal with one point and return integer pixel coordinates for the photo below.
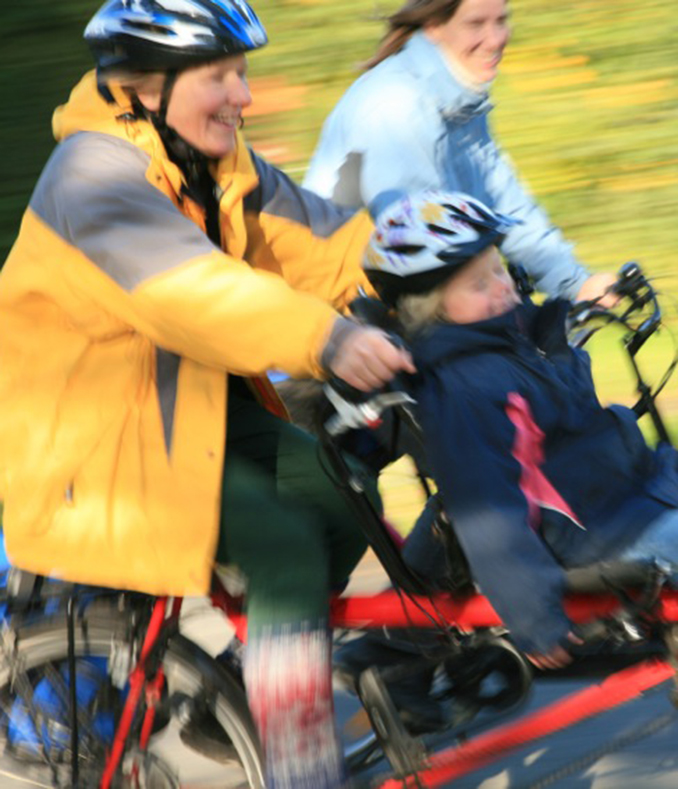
(405, 753)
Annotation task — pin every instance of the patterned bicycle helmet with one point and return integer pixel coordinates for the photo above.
(161, 35)
(419, 240)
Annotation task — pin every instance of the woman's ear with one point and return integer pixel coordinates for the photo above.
(148, 89)
(432, 32)
(150, 98)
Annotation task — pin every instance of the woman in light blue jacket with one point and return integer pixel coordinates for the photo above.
(418, 118)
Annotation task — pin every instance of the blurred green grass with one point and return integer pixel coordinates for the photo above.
(586, 106)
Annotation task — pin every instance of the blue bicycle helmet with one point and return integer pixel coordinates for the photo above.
(168, 35)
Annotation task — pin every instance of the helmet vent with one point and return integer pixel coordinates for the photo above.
(404, 249)
(443, 231)
(149, 27)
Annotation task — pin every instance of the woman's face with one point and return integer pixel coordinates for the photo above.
(475, 37)
(483, 289)
(206, 104)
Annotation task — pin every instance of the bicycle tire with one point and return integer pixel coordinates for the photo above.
(190, 672)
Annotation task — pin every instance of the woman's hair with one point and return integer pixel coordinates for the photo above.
(412, 16)
(416, 311)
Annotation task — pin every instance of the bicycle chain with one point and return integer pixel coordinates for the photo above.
(617, 744)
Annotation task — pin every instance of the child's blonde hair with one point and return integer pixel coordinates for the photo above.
(416, 311)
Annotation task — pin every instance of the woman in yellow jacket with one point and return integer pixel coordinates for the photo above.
(160, 270)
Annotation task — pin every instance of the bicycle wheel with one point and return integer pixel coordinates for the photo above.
(33, 695)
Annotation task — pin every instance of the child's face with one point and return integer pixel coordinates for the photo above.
(482, 289)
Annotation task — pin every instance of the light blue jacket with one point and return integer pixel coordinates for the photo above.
(408, 124)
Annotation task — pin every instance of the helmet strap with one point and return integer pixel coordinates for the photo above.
(103, 89)
(168, 86)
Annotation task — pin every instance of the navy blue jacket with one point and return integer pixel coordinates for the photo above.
(534, 473)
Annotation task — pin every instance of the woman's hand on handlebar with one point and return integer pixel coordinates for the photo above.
(600, 287)
(367, 359)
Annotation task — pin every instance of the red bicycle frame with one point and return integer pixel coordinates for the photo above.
(393, 609)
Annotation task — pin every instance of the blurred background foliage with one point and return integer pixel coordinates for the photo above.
(586, 106)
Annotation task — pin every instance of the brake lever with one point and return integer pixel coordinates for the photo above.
(351, 415)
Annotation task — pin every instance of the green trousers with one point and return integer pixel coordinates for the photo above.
(283, 522)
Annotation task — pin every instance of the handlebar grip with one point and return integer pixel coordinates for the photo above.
(396, 340)
(629, 279)
(353, 395)
(348, 392)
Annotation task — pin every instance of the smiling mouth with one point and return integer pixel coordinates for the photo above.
(493, 61)
(229, 123)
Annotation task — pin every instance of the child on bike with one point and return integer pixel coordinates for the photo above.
(534, 473)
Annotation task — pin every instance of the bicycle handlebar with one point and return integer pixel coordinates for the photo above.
(633, 285)
(367, 413)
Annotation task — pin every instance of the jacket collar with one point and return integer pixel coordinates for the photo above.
(234, 175)
(454, 100)
(544, 327)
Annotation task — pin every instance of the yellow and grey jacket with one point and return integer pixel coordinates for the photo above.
(119, 322)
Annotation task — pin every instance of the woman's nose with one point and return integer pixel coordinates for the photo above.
(240, 93)
(498, 35)
(246, 94)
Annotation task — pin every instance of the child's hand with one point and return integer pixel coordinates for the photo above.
(557, 657)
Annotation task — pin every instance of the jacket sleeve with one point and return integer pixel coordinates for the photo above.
(314, 244)
(388, 153)
(469, 442)
(393, 140)
(536, 244)
(164, 277)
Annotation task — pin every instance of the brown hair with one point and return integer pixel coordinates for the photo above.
(412, 16)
